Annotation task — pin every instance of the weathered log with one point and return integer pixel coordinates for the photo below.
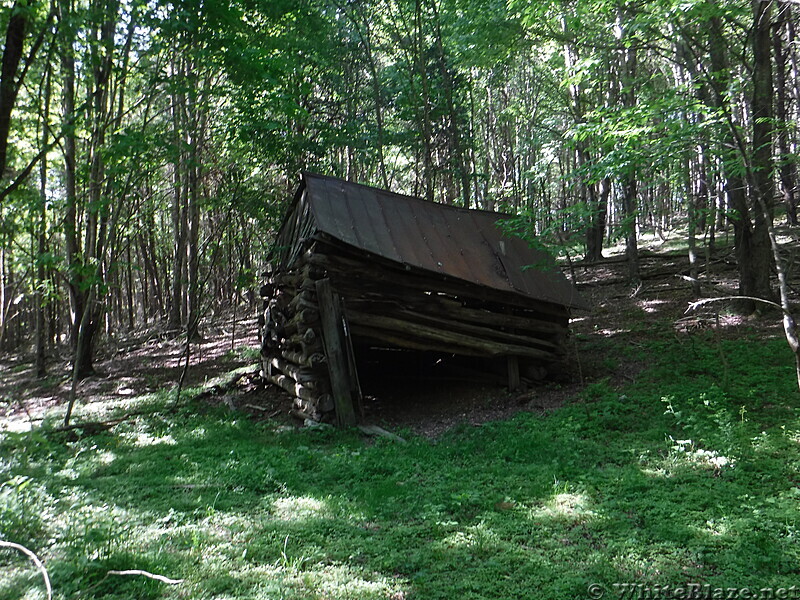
(411, 342)
(302, 415)
(405, 328)
(307, 316)
(301, 374)
(377, 431)
(335, 340)
(295, 389)
(304, 348)
(303, 338)
(314, 361)
(477, 331)
(303, 301)
(343, 267)
(466, 306)
(368, 293)
(278, 302)
(513, 373)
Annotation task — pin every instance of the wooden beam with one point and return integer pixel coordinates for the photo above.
(333, 337)
(479, 332)
(429, 333)
(452, 309)
(513, 373)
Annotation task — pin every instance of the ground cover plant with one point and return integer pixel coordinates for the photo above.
(685, 472)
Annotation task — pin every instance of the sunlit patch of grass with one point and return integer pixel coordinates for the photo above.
(142, 438)
(245, 354)
(299, 508)
(567, 506)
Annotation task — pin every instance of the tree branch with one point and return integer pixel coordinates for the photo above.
(149, 575)
(36, 561)
(695, 305)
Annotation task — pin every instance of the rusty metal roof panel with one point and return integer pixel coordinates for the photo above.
(529, 271)
(456, 242)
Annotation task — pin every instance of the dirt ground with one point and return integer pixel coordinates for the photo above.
(147, 361)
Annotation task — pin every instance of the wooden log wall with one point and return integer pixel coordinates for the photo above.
(388, 303)
(292, 352)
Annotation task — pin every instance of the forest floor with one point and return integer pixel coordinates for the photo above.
(670, 457)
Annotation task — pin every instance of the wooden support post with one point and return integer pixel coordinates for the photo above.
(335, 342)
(513, 373)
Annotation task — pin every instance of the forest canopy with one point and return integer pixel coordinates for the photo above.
(148, 149)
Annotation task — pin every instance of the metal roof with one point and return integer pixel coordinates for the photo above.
(456, 242)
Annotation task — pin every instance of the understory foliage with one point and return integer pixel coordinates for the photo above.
(679, 477)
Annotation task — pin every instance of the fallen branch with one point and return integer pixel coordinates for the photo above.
(35, 560)
(698, 303)
(149, 575)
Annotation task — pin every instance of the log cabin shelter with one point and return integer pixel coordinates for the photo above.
(359, 272)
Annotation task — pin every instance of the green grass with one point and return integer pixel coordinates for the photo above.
(691, 474)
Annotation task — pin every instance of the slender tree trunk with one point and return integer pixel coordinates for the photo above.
(193, 254)
(751, 246)
(178, 215)
(596, 199)
(377, 100)
(129, 288)
(457, 159)
(629, 183)
(763, 186)
(692, 202)
(77, 294)
(3, 285)
(16, 31)
(425, 123)
(787, 172)
(196, 111)
(41, 234)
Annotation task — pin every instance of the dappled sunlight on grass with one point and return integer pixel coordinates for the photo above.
(714, 527)
(574, 506)
(300, 508)
(280, 580)
(141, 439)
(477, 538)
(700, 456)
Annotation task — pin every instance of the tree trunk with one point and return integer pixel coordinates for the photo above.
(457, 159)
(762, 168)
(788, 172)
(425, 117)
(179, 215)
(629, 183)
(9, 86)
(41, 233)
(77, 295)
(751, 245)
